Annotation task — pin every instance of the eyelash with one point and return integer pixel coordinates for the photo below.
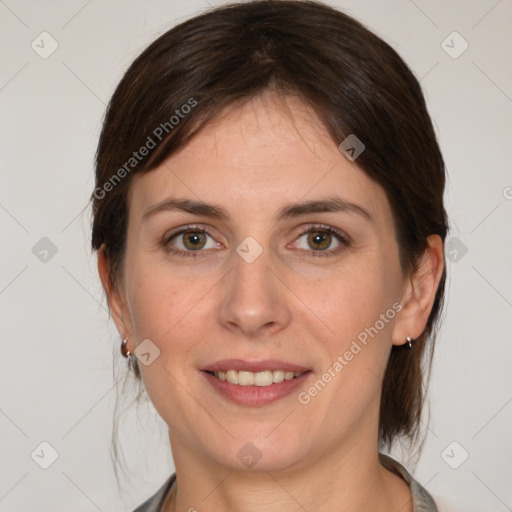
(341, 237)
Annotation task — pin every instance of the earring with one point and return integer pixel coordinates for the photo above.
(409, 340)
(132, 359)
(124, 350)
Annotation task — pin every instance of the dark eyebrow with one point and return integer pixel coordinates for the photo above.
(188, 206)
(327, 205)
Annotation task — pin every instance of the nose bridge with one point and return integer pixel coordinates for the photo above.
(252, 275)
(252, 300)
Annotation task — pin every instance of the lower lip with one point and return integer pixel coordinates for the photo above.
(255, 396)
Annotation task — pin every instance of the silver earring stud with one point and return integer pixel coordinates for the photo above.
(409, 340)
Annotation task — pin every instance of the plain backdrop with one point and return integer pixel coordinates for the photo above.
(57, 345)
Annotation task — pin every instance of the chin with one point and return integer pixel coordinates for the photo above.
(260, 454)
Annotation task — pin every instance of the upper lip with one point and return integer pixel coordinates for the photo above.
(254, 366)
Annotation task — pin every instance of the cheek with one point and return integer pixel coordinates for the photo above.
(155, 298)
(356, 305)
(167, 305)
(349, 300)
(163, 307)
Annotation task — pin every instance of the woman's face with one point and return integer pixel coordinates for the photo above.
(269, 274)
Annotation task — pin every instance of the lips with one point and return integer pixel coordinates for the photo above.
(255, 383)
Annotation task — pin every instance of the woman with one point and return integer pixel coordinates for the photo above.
(269, 221)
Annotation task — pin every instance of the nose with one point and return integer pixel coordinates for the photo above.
(254, 300)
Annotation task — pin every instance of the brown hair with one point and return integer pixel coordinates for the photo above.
(354, 81)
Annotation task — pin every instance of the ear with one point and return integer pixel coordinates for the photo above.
(419, 293)
(115, 295)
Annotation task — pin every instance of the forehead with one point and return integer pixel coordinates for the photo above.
(256, 157)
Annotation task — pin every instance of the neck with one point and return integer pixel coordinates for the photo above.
(349, 478)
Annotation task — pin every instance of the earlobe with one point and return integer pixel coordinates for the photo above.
(114, 297)
(420, 293)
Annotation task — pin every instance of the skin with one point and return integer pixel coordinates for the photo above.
(288, 304)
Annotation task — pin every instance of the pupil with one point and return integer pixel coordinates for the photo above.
(319, 240)
(194, 240)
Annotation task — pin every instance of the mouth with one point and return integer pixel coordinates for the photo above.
(255, 383)
(262, 378)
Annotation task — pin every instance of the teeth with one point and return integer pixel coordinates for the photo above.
(265, 378)
(245, 378)
(278, 376)
(232, 376)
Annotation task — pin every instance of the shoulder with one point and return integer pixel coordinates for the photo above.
(154, 503)
(422, 501)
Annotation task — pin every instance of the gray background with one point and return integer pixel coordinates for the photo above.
(57, 344)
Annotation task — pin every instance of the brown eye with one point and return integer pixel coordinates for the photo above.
(322, 241)
(194, 240)
(319, 240)
(191, 240)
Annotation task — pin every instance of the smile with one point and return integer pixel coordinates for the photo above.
(263, 378)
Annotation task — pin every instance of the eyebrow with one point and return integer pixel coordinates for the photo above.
(326, 205)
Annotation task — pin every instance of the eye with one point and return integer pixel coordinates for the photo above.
(190, 240)
(321, 240)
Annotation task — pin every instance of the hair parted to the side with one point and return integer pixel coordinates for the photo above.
(356, 84)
